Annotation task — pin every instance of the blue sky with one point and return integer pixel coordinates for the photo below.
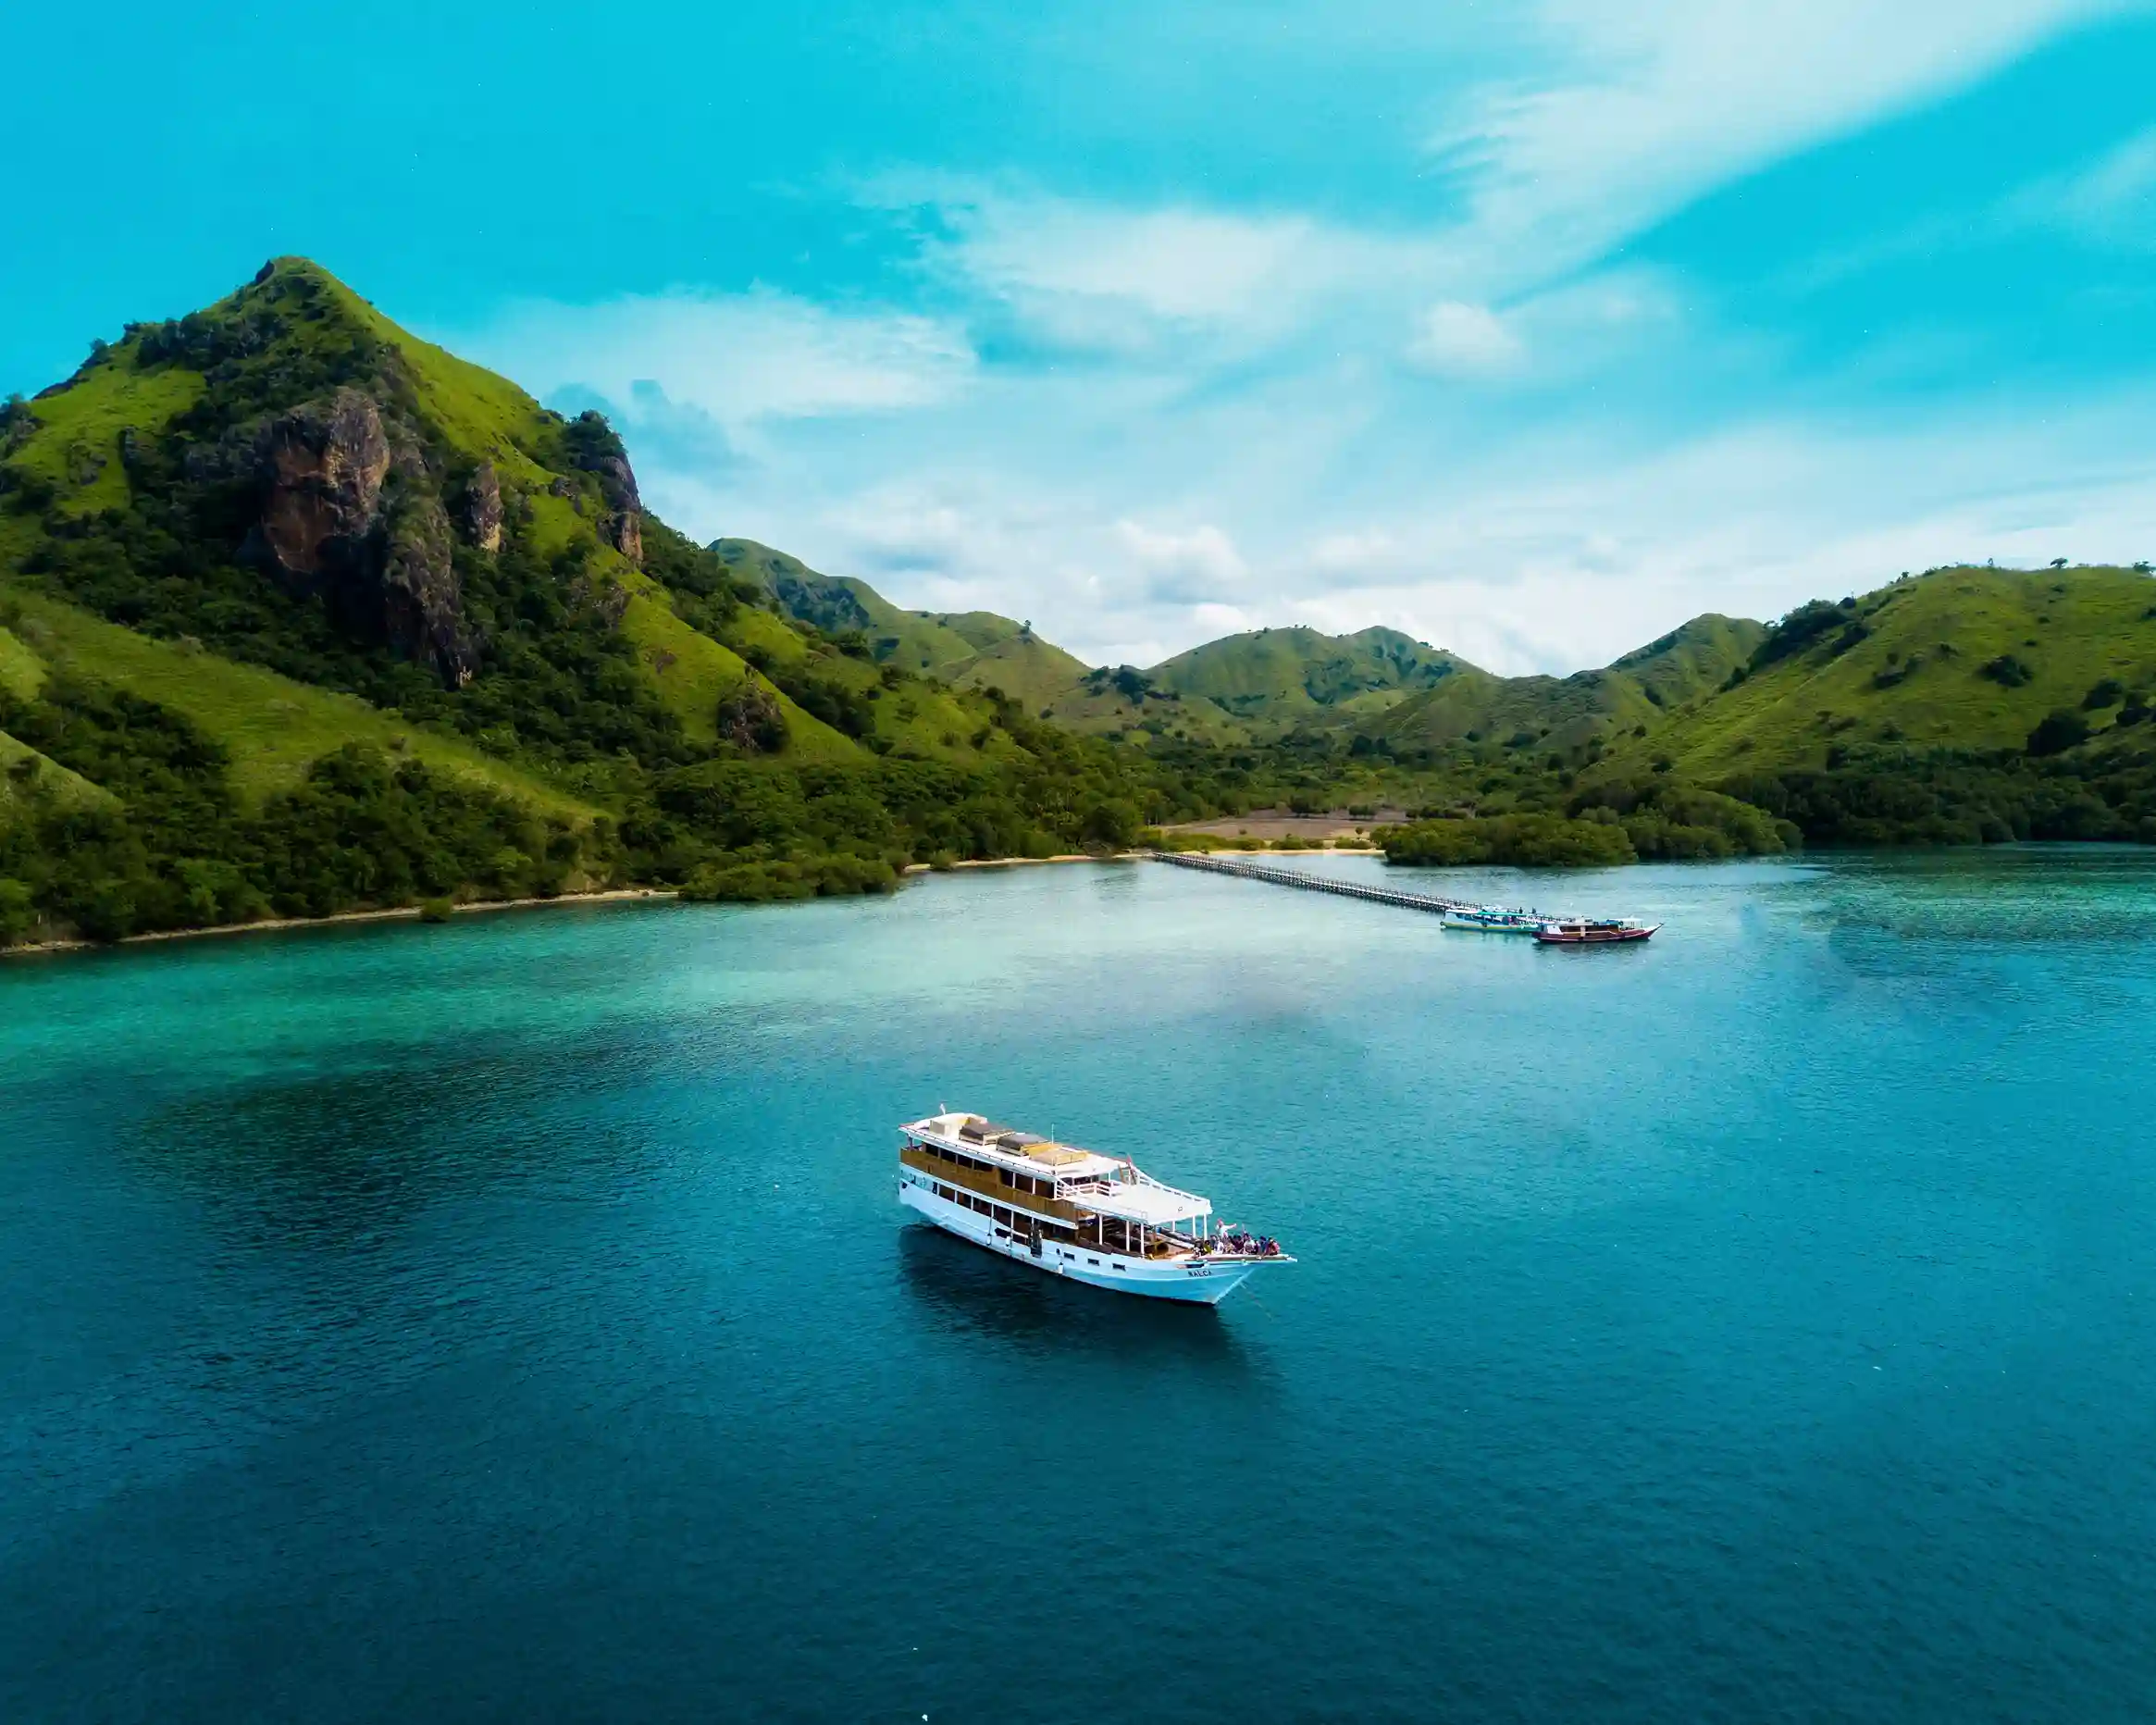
(1531, 329)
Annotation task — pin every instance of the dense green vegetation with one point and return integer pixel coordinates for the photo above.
(1611, 822)
(1522, 841)
(1962, 797)
(178, 848)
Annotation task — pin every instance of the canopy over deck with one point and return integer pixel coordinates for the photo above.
(1145, 1202)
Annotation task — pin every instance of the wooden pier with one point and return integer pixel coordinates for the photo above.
(1311, 882)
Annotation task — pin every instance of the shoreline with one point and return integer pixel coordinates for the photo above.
(1075, 856)
(407, 913)
(612, 895)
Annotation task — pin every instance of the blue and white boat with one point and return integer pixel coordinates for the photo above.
(1494, 920)
(1073, 1213)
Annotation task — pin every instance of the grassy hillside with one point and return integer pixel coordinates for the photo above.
(1693, 659)
(23, 767)
(969, 649)
(1959, 658)
(1300, 669)
(272, 728)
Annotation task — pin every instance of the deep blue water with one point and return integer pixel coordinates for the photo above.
(513, 1320)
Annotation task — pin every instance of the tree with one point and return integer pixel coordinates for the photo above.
(1112, 821)
(16, 915)
(2058, 563)
(2057, 733)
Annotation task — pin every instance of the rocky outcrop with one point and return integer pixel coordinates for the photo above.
(624, 519)
(349, 515)
(321, 468)
(597, 450)
(751, 719)
(420, 601)
(479, 511)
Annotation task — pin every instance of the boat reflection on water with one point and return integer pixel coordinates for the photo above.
(967, 1289)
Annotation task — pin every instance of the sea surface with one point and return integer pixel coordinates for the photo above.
(514, 1320)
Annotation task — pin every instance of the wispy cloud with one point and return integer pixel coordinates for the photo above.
(1464, 340)
(2112, 201)
(742, 360)
(1646, 105)
(1132, 279)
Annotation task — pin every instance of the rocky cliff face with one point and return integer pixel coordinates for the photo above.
(322, 468)
(623, 526)
(596, 449)
(480, 511)
(352, 517)
(625, 530)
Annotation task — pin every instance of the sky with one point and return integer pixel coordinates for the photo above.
(1530, 328)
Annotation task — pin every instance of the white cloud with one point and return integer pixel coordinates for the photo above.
(1198, 567)
(741, 359)
(1462, 341)
(1567, 556)
(1126, 280)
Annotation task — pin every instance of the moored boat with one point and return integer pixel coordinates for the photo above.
(1073, 1213)
(1580, 931)
(1494, 920)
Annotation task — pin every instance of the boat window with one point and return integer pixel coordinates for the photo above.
(1002, 1215)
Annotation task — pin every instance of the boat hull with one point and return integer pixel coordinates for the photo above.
(1185, 1281)
(1593, 937)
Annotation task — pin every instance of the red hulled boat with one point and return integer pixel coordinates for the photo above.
(1592, 932)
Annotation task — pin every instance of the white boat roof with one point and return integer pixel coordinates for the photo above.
(1104, 1184)
(1148, 1203)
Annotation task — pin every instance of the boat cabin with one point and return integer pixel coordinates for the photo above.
(1042, 1189)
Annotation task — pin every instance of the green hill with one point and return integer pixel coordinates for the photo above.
(298, 612)
(1958, 658)
(972, 649)
(1255, 686)
(1265, 684)
(1282, 677)
(1639, 690)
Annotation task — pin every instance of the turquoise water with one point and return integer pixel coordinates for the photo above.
(513, 1320)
